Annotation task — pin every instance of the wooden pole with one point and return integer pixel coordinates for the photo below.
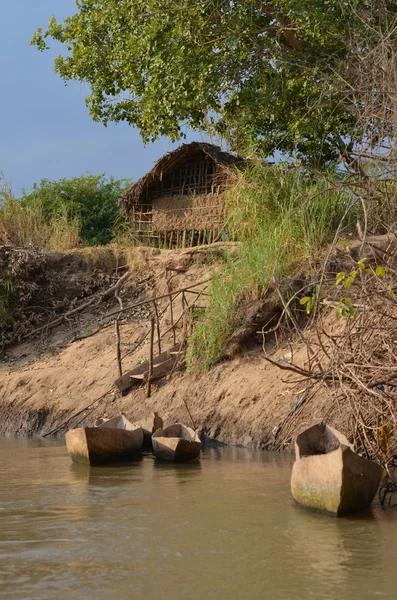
(172, 319)
(171, 312)
(189, 413)
(184, 238)
(185, 303)
(118, 347)
(150, 374)
(117, 325)
(158, 326)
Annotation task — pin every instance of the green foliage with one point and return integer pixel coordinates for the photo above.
(246, 69)
(283, 219)
(91, 199)
(309, 302)
(348, 279)
(345, 306)
(380, 271)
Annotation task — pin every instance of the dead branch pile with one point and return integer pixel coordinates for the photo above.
(39, 290)
(354, 355)
(22, 272)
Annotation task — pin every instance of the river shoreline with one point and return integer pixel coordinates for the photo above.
(244, 401)
(64, 377)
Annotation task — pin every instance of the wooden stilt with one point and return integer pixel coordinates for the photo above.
(118, 347)
(171, 313)
(171, 236)
(185, 303)
(184, 238)
(150, 374)
(158, 327)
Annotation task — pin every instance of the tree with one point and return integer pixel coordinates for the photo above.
(91, 198)
(248, 69)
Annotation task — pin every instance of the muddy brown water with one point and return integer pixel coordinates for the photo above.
(225, 528)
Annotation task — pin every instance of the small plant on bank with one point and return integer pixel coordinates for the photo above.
(345, 306)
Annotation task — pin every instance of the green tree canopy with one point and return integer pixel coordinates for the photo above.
(249, 69)
(91, 198)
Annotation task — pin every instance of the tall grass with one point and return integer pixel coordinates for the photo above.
(25, 225)
(283, 218)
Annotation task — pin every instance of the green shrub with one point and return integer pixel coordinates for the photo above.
(90, 199)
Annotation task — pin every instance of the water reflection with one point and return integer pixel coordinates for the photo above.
(236, 453)
(334, 548)
(114, 474)
(183, 469)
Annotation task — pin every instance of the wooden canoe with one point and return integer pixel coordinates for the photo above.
(101, 445)
(118, 422)
(176, 443)
(329, 476)
(148, 426)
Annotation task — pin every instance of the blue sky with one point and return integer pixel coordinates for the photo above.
(45, 128)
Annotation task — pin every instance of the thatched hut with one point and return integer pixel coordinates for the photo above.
(180, 201)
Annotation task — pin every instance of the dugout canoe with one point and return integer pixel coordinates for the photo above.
(148, 425)
(104, 444)
(176, 443)
(329, 476)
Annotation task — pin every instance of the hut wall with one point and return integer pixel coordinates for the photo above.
(187, 212)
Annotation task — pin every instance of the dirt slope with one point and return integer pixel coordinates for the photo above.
(48, 383)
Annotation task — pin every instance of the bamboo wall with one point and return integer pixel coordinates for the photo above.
(185, 208)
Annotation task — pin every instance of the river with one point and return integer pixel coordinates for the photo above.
(224, 528)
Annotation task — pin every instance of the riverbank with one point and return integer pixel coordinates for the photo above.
(65, 376)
